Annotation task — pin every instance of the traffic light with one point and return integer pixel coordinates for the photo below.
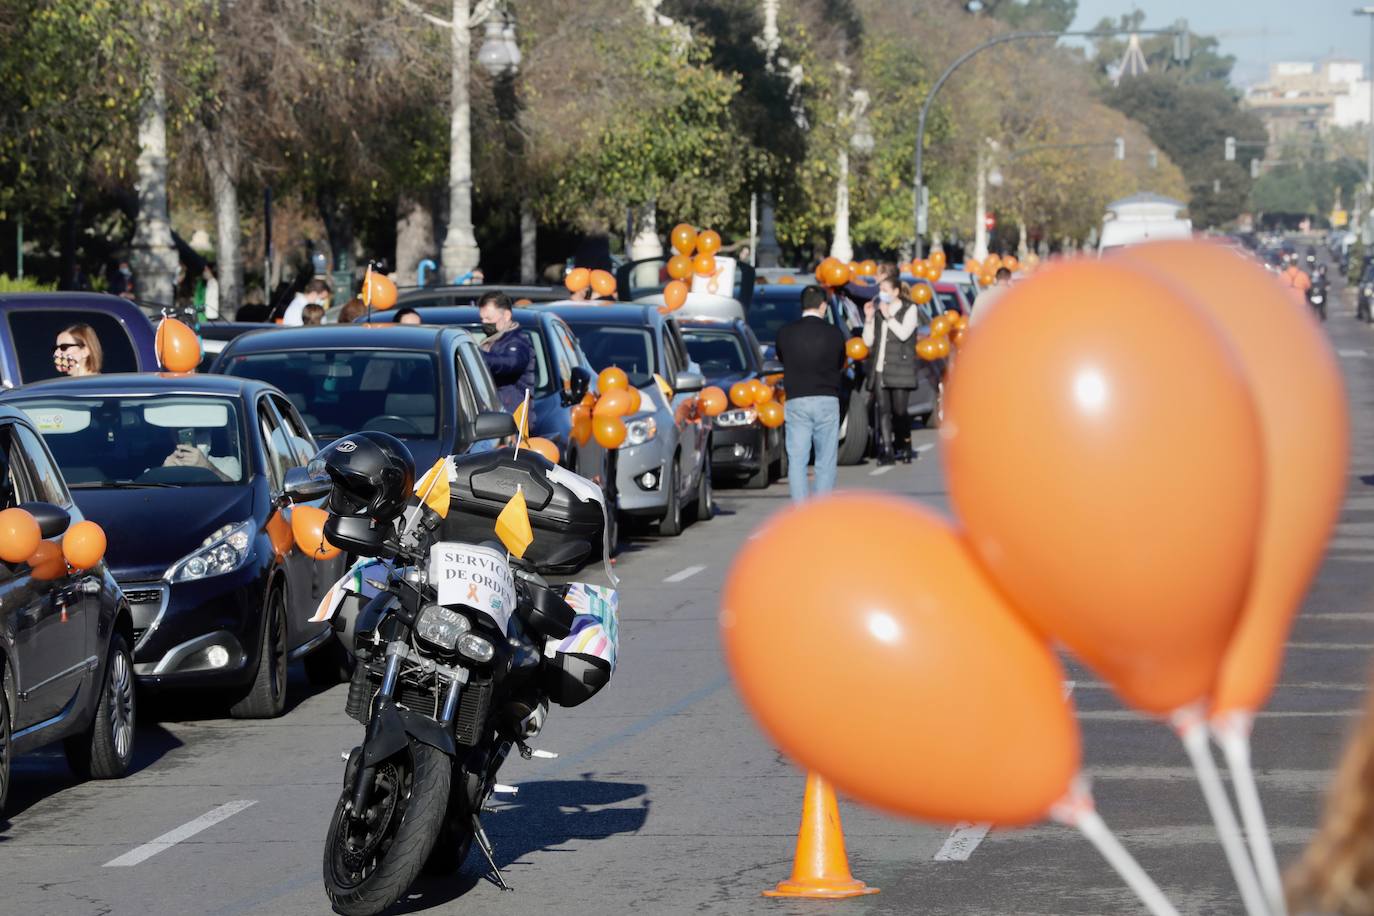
(989, 221)
(1230, 149)
(1120, 149)
(1183, 42)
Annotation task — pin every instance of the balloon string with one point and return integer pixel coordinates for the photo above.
(1192, 732)
(1076, 810)
(1233, 734)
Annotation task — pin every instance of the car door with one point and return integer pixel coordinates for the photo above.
(282, 455)
(47, 618)
(687, 434)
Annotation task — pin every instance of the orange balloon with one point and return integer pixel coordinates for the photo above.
(609, 431)
(771, 414)
(521, 303)
(544, 447)
(763, 394)
(940, 326)
(674, 295)
(941, 347)
(973, 267)
(834, 273)
(856, 349)
(708, 242)
(578, 279)
(961, 321)
(177, 346)
(713, 401)
(612, 403)
(603, 283)
(1010, 263)
(47, 562)
(1004, 752)
(380, 289)
(83, 545)
(787, 280)
(927, 349)
(921, 294)
(986, 278)
(937, 259)
(741, 394)
(1300, 399)
(279, 534)
(704, 265)
(956, 337)
(684, 238)
(755, 389)
(612, 377)
(19, 535)
(307, 524)
(636, 400)
(581, 426)
(868, 268)
(1066, 376)
(992, 263)
(679, 267)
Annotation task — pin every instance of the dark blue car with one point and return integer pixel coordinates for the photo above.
(30, 323)
(185, 472)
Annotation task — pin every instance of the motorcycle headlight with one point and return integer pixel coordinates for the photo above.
(476, 648)
(441, 626)
(1316, 300)
(637, 432)
(222, 552)
(741, 417)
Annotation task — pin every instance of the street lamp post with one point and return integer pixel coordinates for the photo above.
(500, 57)
(855, 132)
(1369, 151)
(918, 197)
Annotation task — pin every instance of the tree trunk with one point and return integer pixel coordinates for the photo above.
(415, 239)
(338, 225)
(220, 152)
(155, 256)
(529, 238)
(460, 253)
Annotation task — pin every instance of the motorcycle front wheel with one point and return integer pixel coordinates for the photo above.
(370, 860)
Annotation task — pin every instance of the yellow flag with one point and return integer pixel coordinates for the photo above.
(433, 487)
(664, 387)
(522, 421)
(513, 525)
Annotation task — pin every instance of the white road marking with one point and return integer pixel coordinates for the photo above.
(687, 573)
(966, 836)
(880, 471)
(1351, 354)
(184, 832)
(923, 448)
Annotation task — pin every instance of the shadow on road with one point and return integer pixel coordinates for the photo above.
(543, 816)
(45, 773)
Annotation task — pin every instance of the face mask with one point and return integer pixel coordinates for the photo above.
(887, 298)
(488, 328)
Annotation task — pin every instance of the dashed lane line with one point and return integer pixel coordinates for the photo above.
(184, 832)
(879, 471)
(1351, 354)
(684, 574)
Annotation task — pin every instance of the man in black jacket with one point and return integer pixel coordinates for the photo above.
(813, 357)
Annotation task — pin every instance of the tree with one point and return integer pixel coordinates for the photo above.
(1048, 15)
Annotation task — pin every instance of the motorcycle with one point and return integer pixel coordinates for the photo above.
(1316, 297)
(460, 647)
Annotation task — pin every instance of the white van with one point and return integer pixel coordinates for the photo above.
(1143, 218)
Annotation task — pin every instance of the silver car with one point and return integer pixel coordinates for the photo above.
(663, 471)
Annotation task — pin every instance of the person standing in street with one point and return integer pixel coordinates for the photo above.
(316, 292)
(890, 321)
(813, 358)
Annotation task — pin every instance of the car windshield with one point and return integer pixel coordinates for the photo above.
(543, 379)
(718, 352)
(130, 440)
(338, 392)
(771, 311)
(625, 346)
(949, 302)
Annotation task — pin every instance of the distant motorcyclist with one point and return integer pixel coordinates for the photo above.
(1296, 279)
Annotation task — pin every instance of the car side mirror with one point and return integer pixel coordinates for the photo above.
(771, 367)
(578, 386)
(490, 424)
(688, 382)
(52, 520)
(300, 487)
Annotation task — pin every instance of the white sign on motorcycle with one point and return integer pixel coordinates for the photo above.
(478, 577)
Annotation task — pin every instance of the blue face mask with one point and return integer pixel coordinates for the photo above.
(887, 298)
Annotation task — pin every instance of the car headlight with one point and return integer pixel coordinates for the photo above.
(741, 417)
(441, 626)
(637, 432)
(222, 552)
(476, 648)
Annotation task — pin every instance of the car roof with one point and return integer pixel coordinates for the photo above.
(341, 337)
(441, 315)
(68, 300)
(720, 324)
(415, 297)
(621, 314)
(142, 383)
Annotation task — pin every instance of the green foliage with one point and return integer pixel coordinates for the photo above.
(1308, 185)
(1049, 15)
(24, 285)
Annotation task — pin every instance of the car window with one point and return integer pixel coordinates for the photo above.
(565, 356)
(111, 440)
(297, 436)
(483, 388)
(627, 346)
(15, 486)
(275, 444)
(717, 352)
(35, 332)
(543, 373)
(47, 482)
(672, 363)
(338, 392)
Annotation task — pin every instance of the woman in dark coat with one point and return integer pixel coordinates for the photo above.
(890, 322)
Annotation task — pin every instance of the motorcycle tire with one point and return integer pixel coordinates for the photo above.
(455, 838)
(369, 863)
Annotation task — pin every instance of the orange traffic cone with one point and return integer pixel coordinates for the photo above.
(821, 868)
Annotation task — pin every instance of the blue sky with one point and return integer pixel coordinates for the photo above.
(1257, 32)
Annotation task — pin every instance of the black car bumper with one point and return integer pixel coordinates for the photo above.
(202, 633)
(739, 449)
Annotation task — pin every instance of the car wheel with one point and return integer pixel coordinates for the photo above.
(671, 525)
(107, 748)
(782, 461)
(705, 505)
(856, 433)
(266, 699)
(6, 739)
(329, 664)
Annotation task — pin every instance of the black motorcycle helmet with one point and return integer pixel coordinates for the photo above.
(373, 476)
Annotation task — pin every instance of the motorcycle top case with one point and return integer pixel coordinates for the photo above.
(567, 514)
(577, 666)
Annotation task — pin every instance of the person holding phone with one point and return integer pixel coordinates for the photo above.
(890, 321)
(190, 454)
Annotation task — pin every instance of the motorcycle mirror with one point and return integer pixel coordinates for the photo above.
(579, 384)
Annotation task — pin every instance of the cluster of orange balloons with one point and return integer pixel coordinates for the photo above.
(946, 332)
(1235, 469)
(602, 282)
(931, 268)
(21, 541)
(601, 417)
(833, 272)
(756, 393)
(177, 346)
(986, 271)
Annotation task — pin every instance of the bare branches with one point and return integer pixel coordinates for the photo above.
(427, 16)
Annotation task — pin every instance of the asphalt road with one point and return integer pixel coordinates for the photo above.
(666, 799)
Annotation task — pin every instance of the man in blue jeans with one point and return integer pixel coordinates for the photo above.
(813, 357)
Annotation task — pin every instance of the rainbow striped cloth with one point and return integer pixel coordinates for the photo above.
(596, 629)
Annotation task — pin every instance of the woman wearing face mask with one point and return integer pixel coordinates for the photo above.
(77, 351)
(890, 321)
